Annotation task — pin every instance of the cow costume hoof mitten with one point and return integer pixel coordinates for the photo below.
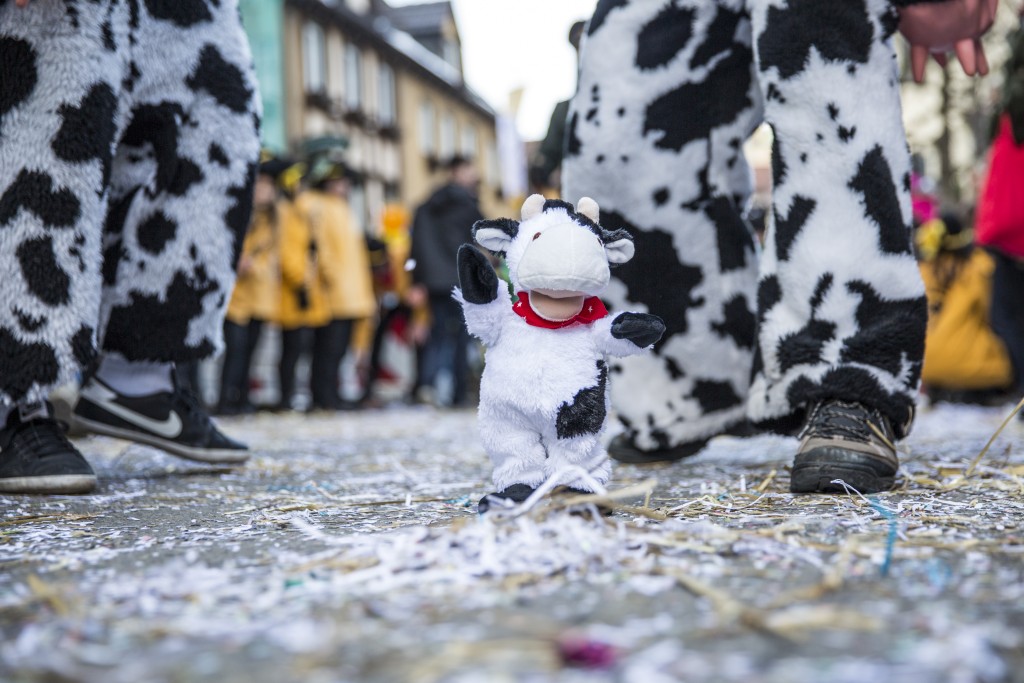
(544, 391)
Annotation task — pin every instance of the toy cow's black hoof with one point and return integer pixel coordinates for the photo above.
(516, 493)
(643, 329)
(477, 279)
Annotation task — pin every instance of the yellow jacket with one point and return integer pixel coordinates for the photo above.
(338, 275)
(256, 289)
(961, 350)
(303, 299)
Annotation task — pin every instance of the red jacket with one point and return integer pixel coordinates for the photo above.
(1000, 217)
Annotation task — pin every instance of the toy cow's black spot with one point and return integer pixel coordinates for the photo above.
(660, 196)
(876, 185)
(17, 73)
(44, 277)
(664, 36)
(221, 79)
(157, 125)
(713, 102)
(787, 228)
(24, 364)
(34, 191)
(183, 13)
(586, 413)
(838, 31)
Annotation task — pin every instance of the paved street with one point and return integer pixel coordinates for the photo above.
(348, 549)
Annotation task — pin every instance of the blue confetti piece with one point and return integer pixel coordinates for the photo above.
(890, 541)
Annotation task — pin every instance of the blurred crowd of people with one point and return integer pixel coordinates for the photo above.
(972, 262)
(333, 287)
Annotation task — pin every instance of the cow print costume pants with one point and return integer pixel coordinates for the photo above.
(128, 144)
(669, 91)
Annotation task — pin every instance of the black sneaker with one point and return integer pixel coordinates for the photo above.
(36, 457)
(846, 441)
(172, 421)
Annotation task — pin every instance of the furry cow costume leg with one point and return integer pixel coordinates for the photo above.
(841, 311)
(128, 143)
(544, 391)
(665, 101)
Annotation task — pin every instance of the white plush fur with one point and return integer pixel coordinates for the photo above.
(531, 371)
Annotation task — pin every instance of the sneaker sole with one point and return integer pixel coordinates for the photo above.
(814, 472)
(213, 456)
(51, 483)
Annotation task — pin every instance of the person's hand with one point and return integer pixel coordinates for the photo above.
(21, 3)
(937, 27)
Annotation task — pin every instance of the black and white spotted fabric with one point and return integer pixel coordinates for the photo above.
(128, 143)
(834, 307)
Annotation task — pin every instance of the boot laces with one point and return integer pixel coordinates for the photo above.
(849, 421)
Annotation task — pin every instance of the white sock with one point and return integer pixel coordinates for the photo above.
(135, 378)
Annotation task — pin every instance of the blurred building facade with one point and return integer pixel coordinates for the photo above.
(386, 80)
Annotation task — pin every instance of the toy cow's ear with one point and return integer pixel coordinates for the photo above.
(618, 245)
(533, 205)
(495, 235)
(588, 207)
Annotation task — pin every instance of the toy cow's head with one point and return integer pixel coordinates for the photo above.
(555, 250)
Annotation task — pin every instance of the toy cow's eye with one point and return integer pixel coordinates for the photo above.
(536, 236)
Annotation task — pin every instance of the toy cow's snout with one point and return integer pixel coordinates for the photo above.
(565, 259)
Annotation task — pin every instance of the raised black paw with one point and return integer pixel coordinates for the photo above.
(643, 329)
(478, 281)
(516, 493)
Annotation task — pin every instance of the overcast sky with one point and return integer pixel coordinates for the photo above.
(510, 44)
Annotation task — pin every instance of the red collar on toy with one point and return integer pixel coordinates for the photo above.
(593, 310)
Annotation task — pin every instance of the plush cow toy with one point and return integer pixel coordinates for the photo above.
(544, 392)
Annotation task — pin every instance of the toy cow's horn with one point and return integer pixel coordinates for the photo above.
(533, 205)
(588, 207)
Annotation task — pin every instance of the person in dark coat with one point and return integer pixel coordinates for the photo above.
(440, 225)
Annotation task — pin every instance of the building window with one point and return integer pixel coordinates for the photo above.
(447, 144)
(428, 139)
(386, 94)
(314, 57)
(467, 145)
(353, 76)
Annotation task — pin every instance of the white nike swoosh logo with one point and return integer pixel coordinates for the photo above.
(168, 428)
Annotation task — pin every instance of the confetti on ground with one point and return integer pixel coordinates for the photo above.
(348, 549)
